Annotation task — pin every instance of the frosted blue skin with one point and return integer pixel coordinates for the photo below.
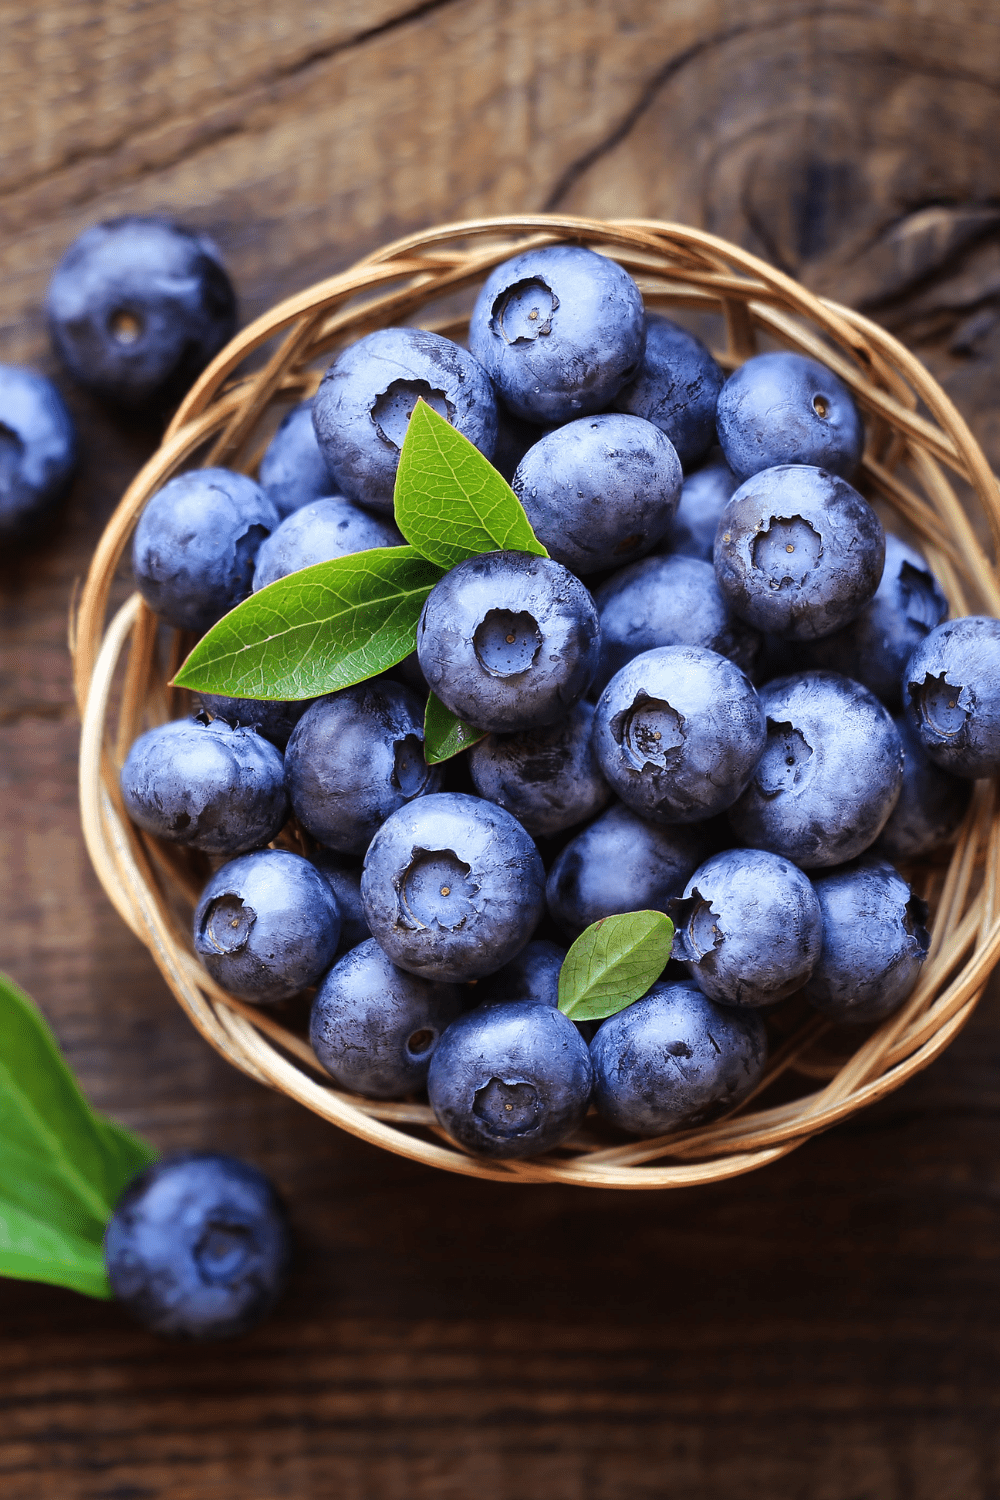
(931, 806)
(599, 491)
(374, 1027)
(874, 943)
(452, 887)
(342, 873)
(511, 1079)
(137, 307)
(704, 496)
(354, 758)
(548, 778)
(366, 397)
(620, 863)
(786, 409)
(273, 718)
(266, 926)
(198, 1247)
(951, 696)
(559, 331)
(798, 552)
(293, 471)
(206, 785)
(533, 975)
(675, 1058)
(748, 928)
(196, 544)
(830, 773)
(38, 451)
(667, 601)
(317, 532)
(876, 645)
(676, 386)
(677, 733)
(469, 661)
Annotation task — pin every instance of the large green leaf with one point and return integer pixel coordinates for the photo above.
(62, 1167)
(450, 501)
(318, 630)
(446, 735)
(613, 963)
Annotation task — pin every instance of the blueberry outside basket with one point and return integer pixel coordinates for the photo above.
(918, 446)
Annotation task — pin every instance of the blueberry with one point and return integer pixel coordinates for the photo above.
(273, 718)
(317, 532)
(704, 495)
(600, 490)
(951, 694)
(138, 307)
(798, 552)
(531, 975)
(678, 732)
(196, 543)
(37, 450)
(548, 778)
(198, 1247)
(511, 1079)
(452, 887)
(343, 875)
(676, 386)
(368, 394)
(354, 758)
(675, 1059)
(293, 471)
(206, 784)
(829, 775)
(622, 863)
(787, 409)
(876, 645)
(748, 927)
(874, 943)
(508, 640)
(374, 1027)
(667, 601)
(514, 438)
(266, 926)
(559, 331)
(932, 804)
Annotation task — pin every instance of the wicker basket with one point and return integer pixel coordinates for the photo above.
(916, 439)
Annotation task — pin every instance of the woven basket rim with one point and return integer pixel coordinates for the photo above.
(916, 439)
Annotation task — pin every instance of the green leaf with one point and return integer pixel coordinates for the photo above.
(450, 501)
(318, 630)
(62, 1167)
(613, 963)
(444, 734)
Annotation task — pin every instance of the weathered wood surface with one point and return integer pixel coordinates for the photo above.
(826, 1328)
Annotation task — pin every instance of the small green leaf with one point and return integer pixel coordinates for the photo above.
(613, 963)
(62, 1167)
(450, 501)
(318, 630)
(444, 734)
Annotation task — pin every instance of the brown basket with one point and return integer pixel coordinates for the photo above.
(916, 438)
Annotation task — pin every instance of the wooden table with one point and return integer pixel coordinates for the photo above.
(824, 1329)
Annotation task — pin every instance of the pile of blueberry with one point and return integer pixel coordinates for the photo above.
(725, 694)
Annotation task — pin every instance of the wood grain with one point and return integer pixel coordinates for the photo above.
(823, 1329)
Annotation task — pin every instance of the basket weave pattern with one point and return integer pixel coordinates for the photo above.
(917, 444)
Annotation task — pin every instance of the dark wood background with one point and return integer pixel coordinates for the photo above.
(825, 1329)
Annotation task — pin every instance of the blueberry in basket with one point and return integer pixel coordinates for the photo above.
(367, 397)
(559, 331)
(316, 532)
(599, 490)
(784, 408)
(676, 387)
(705, 494)
(931, 806)
(547, 777)
(137, 307)
(342, 873)
(198, 1247)
(38, 451)
(293, 470)
(951, 694)
(798, 552)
